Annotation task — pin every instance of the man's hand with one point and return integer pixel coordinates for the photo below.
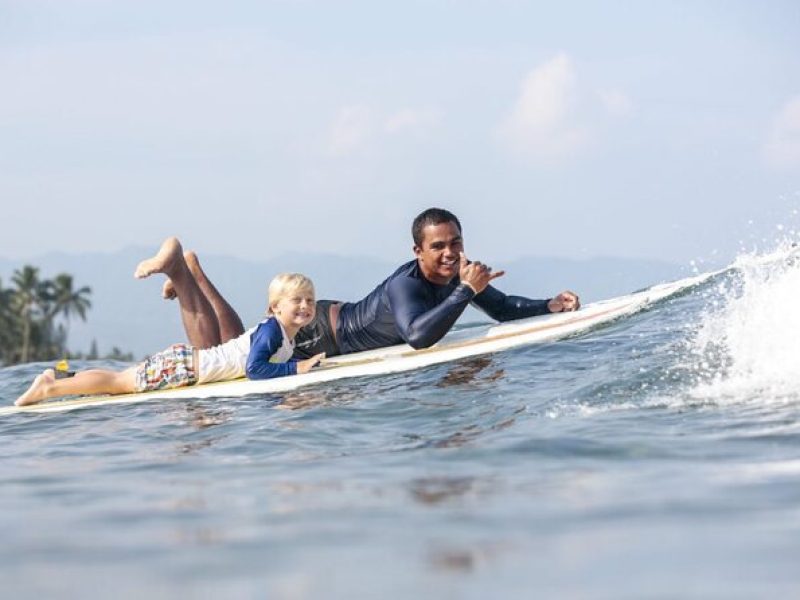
(476, 274)
(565, 302)
(304, 366)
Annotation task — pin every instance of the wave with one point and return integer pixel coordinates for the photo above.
(733, 340)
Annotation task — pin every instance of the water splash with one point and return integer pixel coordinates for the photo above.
(748, 341)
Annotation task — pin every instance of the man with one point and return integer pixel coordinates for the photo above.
(420, 301)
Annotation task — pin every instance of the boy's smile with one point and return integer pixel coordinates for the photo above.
(295, 311)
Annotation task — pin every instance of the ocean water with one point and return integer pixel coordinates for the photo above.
(655, 457)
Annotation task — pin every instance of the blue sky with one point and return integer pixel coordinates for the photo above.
(663, 130)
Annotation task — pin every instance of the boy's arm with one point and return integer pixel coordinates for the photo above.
(264, 342)
(419, 323)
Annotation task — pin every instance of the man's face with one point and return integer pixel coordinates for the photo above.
(438, 255)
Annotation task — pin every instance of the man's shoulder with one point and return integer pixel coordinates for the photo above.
(406, 274)
(408, 269)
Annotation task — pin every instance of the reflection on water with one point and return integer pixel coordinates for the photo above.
(467, 371)
(458, 438)
(200, 417)
(436, 490)
(205, 416)
(451, 558)
(335, 395)
(199, 536)
(303, 400)
(195, 447)
(471, 432)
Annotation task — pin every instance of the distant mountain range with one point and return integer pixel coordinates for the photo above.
(131, 315)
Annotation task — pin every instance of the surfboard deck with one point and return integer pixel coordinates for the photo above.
(464, 343)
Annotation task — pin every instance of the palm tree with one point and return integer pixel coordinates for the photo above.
(28, 313)
(68, 301)
(26, 299)
(8, 329)
(31, 299)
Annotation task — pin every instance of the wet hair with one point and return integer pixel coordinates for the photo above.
(431, 216)
(286, 284)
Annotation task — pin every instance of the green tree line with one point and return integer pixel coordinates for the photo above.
(35, 315)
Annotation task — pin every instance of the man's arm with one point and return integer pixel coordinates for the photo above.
(501, 307)
(419, 323)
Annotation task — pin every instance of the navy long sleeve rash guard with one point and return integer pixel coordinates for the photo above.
(406, 307)
(265, 342)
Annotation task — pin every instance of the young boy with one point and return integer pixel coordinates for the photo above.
(262, 352)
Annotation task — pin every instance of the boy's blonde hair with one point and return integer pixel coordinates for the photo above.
(286, 284)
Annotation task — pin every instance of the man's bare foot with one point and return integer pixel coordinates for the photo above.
(39, 388)
(168, 290)
(162, 262)
(193, 263)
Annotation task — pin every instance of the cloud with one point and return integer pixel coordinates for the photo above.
(782, 148)
(357, 126)
(616, 102)
(411, 120)
(542, 125)
(353, 127)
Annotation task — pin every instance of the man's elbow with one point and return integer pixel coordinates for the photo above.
(420, 342)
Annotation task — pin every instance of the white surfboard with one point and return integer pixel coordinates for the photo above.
(456, 345)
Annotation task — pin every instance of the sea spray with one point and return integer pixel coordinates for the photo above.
(748, 342)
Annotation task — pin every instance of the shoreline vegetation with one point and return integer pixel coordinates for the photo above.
(35, 314)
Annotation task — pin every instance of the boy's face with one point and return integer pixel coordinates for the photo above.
(439, 253)
(295, 309)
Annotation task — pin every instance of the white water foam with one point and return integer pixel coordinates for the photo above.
(748, 344)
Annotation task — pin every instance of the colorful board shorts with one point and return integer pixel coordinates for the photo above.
(174, 367)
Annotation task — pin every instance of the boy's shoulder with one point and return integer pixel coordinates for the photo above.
(269, 325)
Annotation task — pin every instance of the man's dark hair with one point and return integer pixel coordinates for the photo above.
(431, 216)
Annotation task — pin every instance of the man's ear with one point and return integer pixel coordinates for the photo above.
(417, 250)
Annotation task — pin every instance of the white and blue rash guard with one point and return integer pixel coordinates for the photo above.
(408, 308)
(270, 352)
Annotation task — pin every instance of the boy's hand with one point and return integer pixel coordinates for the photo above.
(304, 366)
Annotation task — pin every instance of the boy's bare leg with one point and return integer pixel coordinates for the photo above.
(93, 381)
(230, 325)
(198, 315)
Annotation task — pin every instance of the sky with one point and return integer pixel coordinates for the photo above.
(666, 130)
